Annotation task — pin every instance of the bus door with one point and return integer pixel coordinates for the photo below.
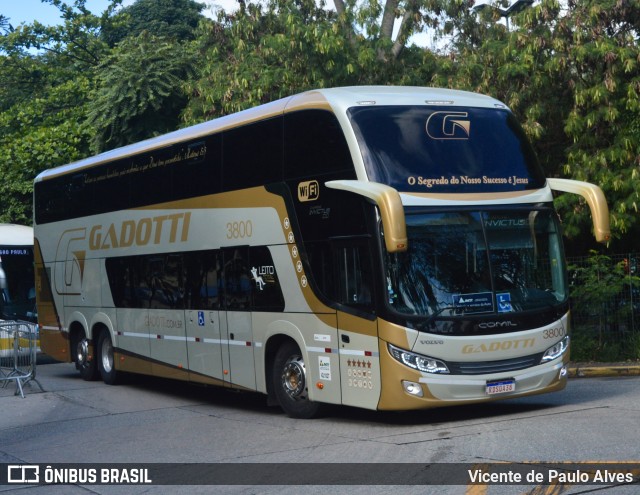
(204, 295)
(357, 325)
(235, 318)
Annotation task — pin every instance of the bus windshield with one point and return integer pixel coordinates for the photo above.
(17, 291)
(477, 262)
(445, 149)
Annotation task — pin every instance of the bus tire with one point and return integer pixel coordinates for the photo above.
(86, 363)
(290, 383)
(106, 361)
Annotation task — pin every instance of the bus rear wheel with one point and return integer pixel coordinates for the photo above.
(290, 383)
(85, 360)
(106, 361)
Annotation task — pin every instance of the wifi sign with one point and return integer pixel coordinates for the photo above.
(308, 191)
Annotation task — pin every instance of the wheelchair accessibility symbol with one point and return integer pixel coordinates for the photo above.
(200, 318)
(504, 303)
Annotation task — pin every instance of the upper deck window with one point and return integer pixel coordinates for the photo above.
(445, 150)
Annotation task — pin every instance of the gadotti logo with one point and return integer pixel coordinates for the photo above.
(308, 191)
(448, 125)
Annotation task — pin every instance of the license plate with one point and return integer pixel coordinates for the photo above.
(501, 387)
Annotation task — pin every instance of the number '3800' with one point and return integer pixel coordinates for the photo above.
(552, 333)
(239, 230)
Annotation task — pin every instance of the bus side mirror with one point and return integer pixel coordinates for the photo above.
(390, 205)
(595, 199)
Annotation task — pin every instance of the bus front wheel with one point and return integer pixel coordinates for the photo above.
(106, 361)
(290, 383)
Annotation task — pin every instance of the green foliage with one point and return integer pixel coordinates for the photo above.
(263, 53)
(603, 290)
(139, 91)
(175, 19)
(45, 81)
(38, 134)
(269, 50)
(5, 25)
(603, 121)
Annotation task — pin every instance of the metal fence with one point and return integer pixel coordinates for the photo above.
(18, 349)
(605, 304)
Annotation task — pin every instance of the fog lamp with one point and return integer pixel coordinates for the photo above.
(412, 388)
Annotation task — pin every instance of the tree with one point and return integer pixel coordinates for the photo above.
(571, 77)
(266, 51)
(600, 40)
(139, 91)
(39, 134)
(176, 19)
(5, 26)
(45, 81)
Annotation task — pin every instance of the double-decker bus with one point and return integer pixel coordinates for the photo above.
(388, 248)
(17, 289)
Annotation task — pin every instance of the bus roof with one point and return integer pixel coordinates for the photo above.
(336, 99)
(15, 235)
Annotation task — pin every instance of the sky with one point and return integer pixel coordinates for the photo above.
(27, 11)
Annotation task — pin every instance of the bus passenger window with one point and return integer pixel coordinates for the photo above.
(203, 279)
(165, 280)
(237, 280)
(267, 293)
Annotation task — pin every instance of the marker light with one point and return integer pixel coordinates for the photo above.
(417, 361)
(555, 351)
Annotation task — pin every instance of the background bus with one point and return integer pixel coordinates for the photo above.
(17, 289)
(380, 247)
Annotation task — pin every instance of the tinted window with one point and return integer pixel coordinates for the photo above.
(129, 287)
(315, 144)
(165, 280)
(197, 280)
(253, 155)
(168, 174)
(267, 294)
(203, 279)
(201, 173)
(342, 271)
(237, 279)
(462, 150)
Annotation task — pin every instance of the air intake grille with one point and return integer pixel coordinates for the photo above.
(487, 367)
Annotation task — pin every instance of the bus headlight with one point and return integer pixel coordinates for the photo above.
(417, 361)
(556, 350)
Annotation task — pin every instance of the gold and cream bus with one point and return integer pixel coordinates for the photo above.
(388, 248)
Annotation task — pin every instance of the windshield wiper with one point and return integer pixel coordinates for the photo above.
(432, 317)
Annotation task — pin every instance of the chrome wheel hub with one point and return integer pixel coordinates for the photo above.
(82, 352)
(107, 356)
(294, 380)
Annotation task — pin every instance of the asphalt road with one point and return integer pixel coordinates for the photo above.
(148, 420)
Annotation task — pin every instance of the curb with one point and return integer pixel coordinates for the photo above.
(589, 371)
